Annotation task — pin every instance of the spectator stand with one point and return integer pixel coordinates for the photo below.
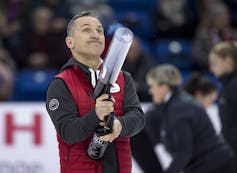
(135, 14)
(177, 52)
(31, 85)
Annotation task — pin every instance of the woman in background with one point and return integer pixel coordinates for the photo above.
(223, 63)
(206, 93)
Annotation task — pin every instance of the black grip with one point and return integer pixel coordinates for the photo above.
(99, 89)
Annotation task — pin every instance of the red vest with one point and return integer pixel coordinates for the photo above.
(73, 158)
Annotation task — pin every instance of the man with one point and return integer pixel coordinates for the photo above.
(188, 142)
(76, 115)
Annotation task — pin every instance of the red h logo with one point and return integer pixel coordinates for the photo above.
(11, 128)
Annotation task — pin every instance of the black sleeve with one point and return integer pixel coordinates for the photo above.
(152, 127)
(182, 138)
(63, 111)
(133, 119)
(230, 95)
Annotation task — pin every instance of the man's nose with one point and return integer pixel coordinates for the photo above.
(95, 34)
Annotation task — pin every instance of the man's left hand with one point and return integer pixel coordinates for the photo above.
(117, 127)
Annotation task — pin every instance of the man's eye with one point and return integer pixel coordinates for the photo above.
(100, 31)
(86, 30)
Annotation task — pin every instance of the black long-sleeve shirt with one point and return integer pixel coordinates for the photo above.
(228, 109)
(74, 128)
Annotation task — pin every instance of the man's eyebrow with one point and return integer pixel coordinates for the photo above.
(100, 26)
(85, 25)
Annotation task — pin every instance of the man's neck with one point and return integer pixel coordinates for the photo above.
(91, 62)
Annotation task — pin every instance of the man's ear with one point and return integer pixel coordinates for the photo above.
(69, 42)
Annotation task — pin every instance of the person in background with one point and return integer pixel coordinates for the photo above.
(206, 93)
(60, 13)
(188, 142)
(173, 19)
(223, 63)
(203, 89)
(47, 49)
(214, 28)
(202, 7)
(36, 54)
(76, 115)
(12, 19)
(138, 63)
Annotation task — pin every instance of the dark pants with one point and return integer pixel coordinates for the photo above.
(143, 153)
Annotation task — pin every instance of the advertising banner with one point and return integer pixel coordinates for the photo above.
(27, 139)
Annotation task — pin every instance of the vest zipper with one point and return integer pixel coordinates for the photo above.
(89, 97)
(67, 158)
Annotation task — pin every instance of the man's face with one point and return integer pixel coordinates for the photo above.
(157, 91)
(87, 38)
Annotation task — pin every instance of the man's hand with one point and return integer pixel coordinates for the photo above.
(117, 127)
(104, 106)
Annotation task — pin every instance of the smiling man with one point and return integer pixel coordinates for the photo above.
(76, 115)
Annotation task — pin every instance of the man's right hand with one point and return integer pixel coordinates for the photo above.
(104, 106)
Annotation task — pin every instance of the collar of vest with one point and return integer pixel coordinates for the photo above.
(92, 77)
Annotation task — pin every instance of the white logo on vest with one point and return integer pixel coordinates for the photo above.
(53, 104)
(115, 88)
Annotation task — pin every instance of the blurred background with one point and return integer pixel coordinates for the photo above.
(32, 50)
(181, 32)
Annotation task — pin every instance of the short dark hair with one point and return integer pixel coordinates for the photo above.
(199, 83)
(78, 15)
